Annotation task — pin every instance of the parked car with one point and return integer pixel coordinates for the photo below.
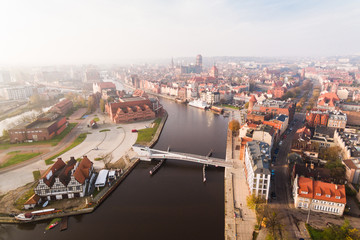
(273, 195)
(134, 130)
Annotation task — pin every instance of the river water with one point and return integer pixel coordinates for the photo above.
(173, 204)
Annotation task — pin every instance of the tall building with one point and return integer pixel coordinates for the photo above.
(199, 60)
(257, 164)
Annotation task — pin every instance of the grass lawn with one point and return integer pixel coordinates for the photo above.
(18, 158)
(105, 130)
(19, 203)
(147, 134)
(229, 106)
(36, 175)
(77, 141)
(54, 141)
(315, 234)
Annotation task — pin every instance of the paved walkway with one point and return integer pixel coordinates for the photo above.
(239, 219)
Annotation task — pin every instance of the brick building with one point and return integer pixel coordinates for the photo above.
(62, 107)
(273, 107)
(45, 127)
(133, 109)
(319, 196)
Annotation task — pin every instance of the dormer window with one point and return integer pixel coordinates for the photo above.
(327, 195)
(304, 192)
(318, 194)
(337, 197)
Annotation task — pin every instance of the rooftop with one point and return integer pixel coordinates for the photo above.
(260, 155)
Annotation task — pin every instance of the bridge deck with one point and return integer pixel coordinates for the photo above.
(191, 158)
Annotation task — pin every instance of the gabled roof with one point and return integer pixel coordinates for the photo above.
(65, 173)
(34, 199)
(83, 170)
(49, 175)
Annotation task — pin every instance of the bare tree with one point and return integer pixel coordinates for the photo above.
(106, 158)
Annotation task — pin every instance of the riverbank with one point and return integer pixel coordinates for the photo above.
(93, 203)
(239, 219)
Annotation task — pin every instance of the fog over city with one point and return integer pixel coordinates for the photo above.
(68, 32)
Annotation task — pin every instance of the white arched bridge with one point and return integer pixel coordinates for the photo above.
(146, 154)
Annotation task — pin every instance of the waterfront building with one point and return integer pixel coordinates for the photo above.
(210, 97)
(257, 164)
(319, 196)
(62, 107)
(133, 109)
(99, 87)
(65, 180)
(45, 127)
(17, 93)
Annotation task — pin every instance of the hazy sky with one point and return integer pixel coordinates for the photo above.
(109, 31)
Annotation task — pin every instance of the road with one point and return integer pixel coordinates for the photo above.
(117, 141)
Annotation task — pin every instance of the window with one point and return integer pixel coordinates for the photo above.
(327, 195)
(318, 194)
(300, 204)
(337, 197)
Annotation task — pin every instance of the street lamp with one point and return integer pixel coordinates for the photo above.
(308, 216)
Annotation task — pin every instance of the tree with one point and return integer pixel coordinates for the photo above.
(345, 231)
(91, 104)
(5, 134)
(272, 222)
(234, 126)
(254, 201)
(106, 159)
(246, 106)
(102, 105)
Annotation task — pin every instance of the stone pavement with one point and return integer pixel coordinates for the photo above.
(239, 219)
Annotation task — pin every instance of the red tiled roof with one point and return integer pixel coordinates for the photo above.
(329, 191)
(57, 166)
(34, 199)
(82, 171)
(103, 85)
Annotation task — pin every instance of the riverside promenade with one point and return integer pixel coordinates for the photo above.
(239, 219)
(93, 203)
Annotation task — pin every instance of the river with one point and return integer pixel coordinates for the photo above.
(173, 204)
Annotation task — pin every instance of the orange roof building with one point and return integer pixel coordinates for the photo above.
(319, 196)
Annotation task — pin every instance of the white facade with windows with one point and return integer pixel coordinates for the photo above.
(257, 163)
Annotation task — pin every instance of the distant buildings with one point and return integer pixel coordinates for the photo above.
(16, 93)
(319, 196)
(272, 107)
(257, 164)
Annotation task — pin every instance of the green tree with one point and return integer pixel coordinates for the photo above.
(254, 201)
(91, 104)
(345, 231)
(102, 105)
(5, 134)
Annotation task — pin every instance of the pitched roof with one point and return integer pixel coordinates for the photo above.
(330, 192)
(49, 175)
(83, 170)
(34, 199)
(65, 173)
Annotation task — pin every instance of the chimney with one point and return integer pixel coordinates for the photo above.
(72, 158)
(312, 166)
(336, 186)
(59, 158)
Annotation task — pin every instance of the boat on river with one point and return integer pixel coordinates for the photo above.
(198, 103)
(24, 217)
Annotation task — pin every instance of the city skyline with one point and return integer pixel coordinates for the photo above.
(104, 32)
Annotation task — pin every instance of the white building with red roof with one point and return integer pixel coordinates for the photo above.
(319, 196)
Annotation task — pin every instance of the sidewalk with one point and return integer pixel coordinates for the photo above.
(239, 219)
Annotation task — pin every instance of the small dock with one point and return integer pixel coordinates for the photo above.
(64, 223)
(204, 176)
(153, 171)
